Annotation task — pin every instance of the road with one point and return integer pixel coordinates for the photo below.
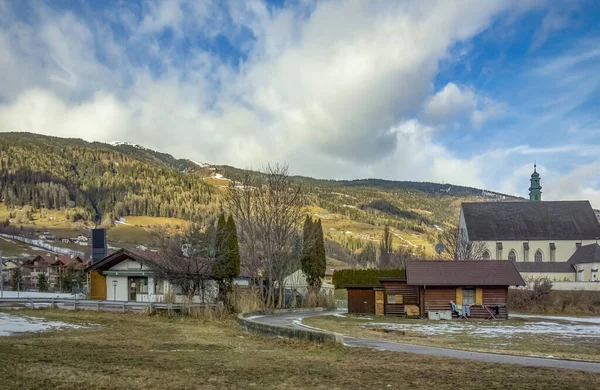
(295, 320)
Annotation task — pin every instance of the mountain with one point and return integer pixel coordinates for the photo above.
(92, 181)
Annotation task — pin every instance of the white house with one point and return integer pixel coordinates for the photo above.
(129, 276)
(297, 281)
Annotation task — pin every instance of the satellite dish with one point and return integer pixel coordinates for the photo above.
(439, 248)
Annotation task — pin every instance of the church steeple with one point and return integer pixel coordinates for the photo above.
(535, 190)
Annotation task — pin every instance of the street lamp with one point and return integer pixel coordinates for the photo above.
(115, 282)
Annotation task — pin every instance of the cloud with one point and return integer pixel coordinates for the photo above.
(338, 89)
(454, 103)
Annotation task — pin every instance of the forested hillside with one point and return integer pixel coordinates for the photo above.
(93, 181)
(48, 172)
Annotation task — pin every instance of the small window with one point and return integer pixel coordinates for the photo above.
(486, 255)
(577, 245)
(391, 299)
(594, 275)
(159, 286)
(468, 297)
(512, 255)
(538, 256)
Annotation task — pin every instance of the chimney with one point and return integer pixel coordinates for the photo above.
(98, 245)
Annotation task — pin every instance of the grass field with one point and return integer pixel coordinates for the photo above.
(130, 351)
(528, 337)
(11, 248)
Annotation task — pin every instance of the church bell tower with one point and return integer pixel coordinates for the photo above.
(535, 190)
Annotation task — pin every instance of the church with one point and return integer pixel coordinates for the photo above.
(557, 239)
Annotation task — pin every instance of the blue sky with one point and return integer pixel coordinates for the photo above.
(465, 92)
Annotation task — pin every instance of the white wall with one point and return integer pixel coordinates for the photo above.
(586, 275)
(564, 249)
(587, 286)
(553, 276)
(122, 290)
(129, 265)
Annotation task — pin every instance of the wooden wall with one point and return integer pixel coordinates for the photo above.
(97, 286)
(361, 301)
(438, 298)
(410, 296)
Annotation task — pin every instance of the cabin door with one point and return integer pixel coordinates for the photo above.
(379, 307)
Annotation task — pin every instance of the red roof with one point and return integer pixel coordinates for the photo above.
(463, 273)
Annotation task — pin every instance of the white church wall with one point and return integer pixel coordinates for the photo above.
(564, 249)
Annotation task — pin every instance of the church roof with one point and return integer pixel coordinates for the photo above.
(559, 267)
(499, 221)
(586, 254)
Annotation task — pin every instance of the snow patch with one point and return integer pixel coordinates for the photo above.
(11, 324)
(200, 164)
(556, 329)
(588, 320)
(123, 143)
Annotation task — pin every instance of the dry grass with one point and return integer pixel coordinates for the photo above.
(556, 302)
(129, 351)
(514, 344)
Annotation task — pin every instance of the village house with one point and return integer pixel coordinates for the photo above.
(296, 282)
(49, 264)
(440, 290)
(558, 240)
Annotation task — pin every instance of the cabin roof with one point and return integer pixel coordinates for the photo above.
(463, 273)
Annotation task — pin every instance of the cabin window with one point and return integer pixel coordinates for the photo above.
(486, 255)
(512, 255)
(594, 275)
(391, 299)
(539, 257)
(468, 297)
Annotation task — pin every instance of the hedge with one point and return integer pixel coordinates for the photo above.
(345, 277)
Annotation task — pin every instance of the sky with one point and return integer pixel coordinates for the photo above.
(463, 92)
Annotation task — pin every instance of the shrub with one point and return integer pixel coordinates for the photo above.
(346, 277)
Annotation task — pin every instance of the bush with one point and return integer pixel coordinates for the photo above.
(538, 297)
(346, 277)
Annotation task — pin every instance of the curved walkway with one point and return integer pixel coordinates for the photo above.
(292, 320)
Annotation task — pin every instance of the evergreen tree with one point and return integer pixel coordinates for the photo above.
(17, 279)
(227, 261)
(42, 282)
(313, 261)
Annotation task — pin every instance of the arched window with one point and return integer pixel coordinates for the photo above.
(539, 257)
(512, 255)
(486, 255)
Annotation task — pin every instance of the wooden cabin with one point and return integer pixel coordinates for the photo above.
(431, 286)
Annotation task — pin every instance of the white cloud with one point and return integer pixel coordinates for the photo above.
(454, 103)
(336, 88)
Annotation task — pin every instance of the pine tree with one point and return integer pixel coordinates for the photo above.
(313, 261)
(42, 282)
(227, 261)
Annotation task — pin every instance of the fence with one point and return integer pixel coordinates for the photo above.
(341, 304)
(86, 304)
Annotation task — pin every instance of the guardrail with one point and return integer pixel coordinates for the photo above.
(87, 304)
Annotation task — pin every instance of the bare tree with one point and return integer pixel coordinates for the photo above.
(184, 259)
(458, 246)
(268, 212)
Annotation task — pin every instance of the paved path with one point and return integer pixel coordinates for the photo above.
(292, 320)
